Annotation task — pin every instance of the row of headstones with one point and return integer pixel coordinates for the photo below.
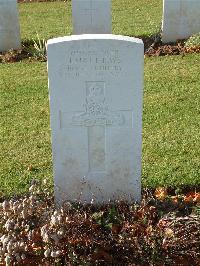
(96, 95)
(181, 19)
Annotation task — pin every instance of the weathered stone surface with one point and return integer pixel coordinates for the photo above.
(9, 25)
(181, 19)
(91, 16)
(96, 91)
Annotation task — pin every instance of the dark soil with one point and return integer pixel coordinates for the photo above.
(157, 48)
(162, 230)
(152, 47)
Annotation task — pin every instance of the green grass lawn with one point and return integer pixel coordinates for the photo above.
(24, 125)
(171, 147)
(170, 128)
(52, 19)
(171, 95)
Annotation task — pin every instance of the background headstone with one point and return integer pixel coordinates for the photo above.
(96, 91)
(91, 16)
(181, 19)
(9, 25)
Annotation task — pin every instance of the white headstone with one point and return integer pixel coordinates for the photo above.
(181, 19)
(91, 16)
(9, 25)
(96, 91)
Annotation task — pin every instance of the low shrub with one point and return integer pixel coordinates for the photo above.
(162, 230)
(193, 41)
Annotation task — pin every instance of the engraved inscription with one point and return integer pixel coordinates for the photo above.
(80, 62)
(97, 112)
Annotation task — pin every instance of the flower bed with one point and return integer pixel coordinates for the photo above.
(162, 230)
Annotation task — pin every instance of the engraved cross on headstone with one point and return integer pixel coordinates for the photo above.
(91, 16)
(96, 118)
(91, 11)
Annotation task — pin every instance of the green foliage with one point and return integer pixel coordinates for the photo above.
(98, 217)
(38, 49)
(196, 210)
(107, 219)
(194, 40)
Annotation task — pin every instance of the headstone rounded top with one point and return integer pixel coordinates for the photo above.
(94, 37)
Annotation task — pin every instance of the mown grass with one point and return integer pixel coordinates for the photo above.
(171, 147)
(136, 18)
(24, 125)
(170, 128)
(52, 19)
(47, 19)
